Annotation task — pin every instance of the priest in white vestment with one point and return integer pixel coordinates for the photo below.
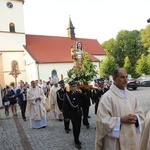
(53, 101)
(119, 117)
(145, 137)
(36, 106)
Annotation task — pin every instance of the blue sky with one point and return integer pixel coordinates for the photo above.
(95, 19)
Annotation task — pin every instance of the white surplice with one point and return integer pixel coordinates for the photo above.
(110, 133)
(36, 108)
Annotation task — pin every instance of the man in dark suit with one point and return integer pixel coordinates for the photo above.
(60, 101)
(22, 100)
(72, 110)
(85, 106)
(98, 92)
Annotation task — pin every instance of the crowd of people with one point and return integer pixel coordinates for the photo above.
(40, 97)
(120, 121)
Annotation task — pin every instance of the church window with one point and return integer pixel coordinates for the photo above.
(54, 73)
(12, 27)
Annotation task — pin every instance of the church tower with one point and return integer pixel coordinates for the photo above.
(70, 29)
(12, 39)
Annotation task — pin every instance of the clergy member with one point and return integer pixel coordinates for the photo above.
(36, 106)
(145, 137)
(53, 100)
(119, 117)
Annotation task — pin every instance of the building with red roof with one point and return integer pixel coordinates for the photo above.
(32, 57)
(52, 54)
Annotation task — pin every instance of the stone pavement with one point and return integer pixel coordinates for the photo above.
(15, 134)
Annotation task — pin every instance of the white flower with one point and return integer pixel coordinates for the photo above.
(73, 76)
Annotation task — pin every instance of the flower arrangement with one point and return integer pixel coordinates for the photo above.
(85, 75)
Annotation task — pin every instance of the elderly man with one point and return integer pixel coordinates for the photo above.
(36, 106)
(119, 117)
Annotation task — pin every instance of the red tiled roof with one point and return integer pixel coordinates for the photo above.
(53, 49)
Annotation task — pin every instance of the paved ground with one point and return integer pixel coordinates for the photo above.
(15, 134)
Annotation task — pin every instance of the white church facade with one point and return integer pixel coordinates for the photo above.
(33, 57)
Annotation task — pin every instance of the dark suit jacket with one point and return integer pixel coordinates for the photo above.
(75, 100)
(19, 95)
(60, 98)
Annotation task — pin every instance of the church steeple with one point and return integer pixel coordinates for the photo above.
(70, 29)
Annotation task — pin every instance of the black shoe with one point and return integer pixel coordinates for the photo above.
(7, 113)
(89, 117)
(42, 127)
(67, 131)
(78, 146)
(60, 120)
(80, 142)
(24, 119)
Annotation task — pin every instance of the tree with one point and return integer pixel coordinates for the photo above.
(109, 46)
(127, 65)
(107, 67)
(148, 63)
(142, 66)
(145, 37)
(133, 47)
(126, 48)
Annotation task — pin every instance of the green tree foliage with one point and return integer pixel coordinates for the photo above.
(127, 65)
(142, 66)
(107, 67)
(148, 63)
(133, 47)
(119, 51)
(145, 37)
(109, 46)
(126, 48)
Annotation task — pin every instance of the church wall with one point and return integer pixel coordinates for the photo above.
(14, 15)
(7, 58)
(11, 41)
(31, 72)
(100, 57)
(45, 70)
(28, 59)
(31, 68)
(1, 71)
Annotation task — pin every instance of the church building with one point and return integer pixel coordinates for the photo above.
(32, 57)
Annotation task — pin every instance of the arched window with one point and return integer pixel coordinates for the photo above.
(12, 27)
(54, 73)
(54, 77)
